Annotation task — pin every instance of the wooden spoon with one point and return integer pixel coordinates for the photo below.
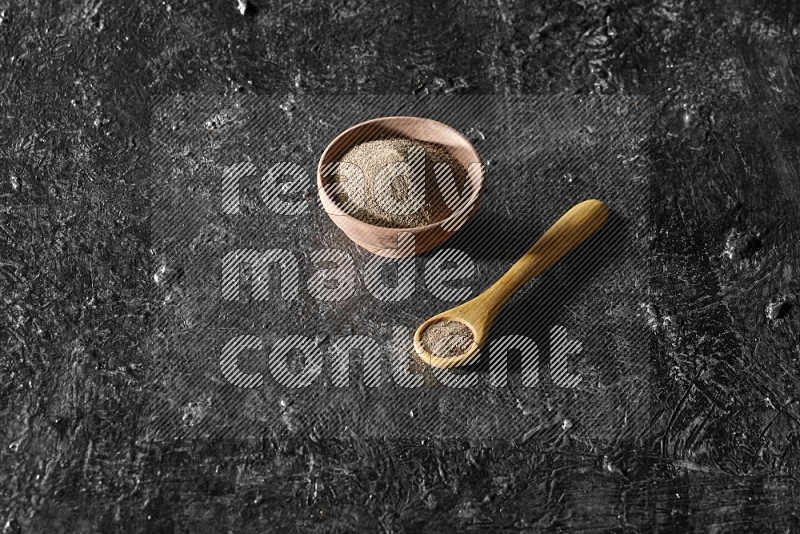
(478, 314)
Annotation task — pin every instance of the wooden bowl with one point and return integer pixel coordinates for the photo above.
(402, 242)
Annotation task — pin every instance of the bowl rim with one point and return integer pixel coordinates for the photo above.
(461, 211)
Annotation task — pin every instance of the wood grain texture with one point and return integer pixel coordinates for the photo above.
(76, 83)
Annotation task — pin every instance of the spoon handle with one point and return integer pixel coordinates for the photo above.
(572, 229)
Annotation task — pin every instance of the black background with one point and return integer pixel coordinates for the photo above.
(76, 82)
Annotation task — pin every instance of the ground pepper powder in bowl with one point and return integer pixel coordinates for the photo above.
(400, 186)
(382, 193)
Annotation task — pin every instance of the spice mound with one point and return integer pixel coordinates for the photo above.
(447, 339)
(399, 183)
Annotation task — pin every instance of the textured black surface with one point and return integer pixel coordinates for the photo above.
(76, 82)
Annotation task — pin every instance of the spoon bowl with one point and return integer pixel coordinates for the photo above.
(578, 224)
(466, 357)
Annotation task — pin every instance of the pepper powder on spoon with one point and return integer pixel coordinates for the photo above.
(447, 339)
